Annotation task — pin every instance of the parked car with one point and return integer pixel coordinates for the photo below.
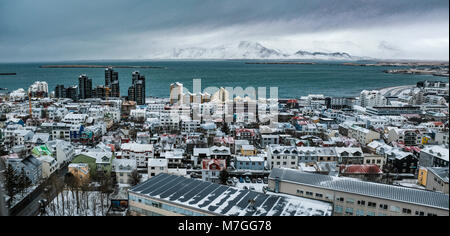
(247, 179)
(254, 181)
(230, 182)
(266, 180)
(235, 180)
(259, 180)
(245, 187)
(241, 180)
(252, 188)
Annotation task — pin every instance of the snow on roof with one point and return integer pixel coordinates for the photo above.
(218, 199)
(248, 147)
(354, 186)
(124, 165)
(157, 162)
(437, 151)
(198, 151)
(250, 159)
(136, 147)
(48, 159)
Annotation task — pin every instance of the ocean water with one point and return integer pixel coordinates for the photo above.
(292, 81)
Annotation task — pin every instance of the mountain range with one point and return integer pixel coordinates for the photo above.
(251, 50)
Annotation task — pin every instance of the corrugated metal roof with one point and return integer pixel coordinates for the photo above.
(225, 200)
(384, 191)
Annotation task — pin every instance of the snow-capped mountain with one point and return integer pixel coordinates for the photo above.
(250, 50)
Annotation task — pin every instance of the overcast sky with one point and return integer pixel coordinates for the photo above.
(33, 30)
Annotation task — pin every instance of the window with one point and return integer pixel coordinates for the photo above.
(362, 203)
(351, 201)
(338, 209)
(420, 213)
(372, 204)
(349, 211)
(318, 195)
(340, 199)
(309, 194)
(300, 192)
(383, 206)
(359, 212)
(406, 211)
(396, 209)
(370, 213)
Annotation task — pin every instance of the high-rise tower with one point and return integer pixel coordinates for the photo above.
(137, 90)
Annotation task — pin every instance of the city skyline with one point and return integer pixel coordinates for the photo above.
(75, 30)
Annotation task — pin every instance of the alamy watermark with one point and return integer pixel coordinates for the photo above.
(231, 104)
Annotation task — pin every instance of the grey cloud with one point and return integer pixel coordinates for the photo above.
(76, 28)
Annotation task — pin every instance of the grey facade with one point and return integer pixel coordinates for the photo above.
(432, 159)
(353, 197)
(31, 166)
(85, 87)
(137, 90)
(112, 82)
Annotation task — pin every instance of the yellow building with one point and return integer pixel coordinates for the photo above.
(425, 140)
(248, 150)
(80, 171)
(422, 179)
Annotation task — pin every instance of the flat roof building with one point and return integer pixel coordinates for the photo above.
(355, 197)
(171, 195)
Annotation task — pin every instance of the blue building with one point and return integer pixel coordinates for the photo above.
(249, 163)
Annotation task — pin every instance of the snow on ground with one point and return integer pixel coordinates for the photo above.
(409, 183)
(258, 187)
(144, 177)
(19, 197)
(65, 204)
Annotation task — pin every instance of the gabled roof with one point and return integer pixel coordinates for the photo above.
(361, 169)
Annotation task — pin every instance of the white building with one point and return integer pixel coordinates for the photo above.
(372, 99)
(49, 166)
(64, 151)
(39, 88)
(124, 169)
(139, 152)
(282, 157)
(157, 166)
(363, 135)
(18, 95)
(75, 119)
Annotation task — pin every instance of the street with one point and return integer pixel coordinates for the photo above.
(32, 209)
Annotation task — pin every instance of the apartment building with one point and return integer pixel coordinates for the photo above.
(362, 135)
(434, 156)
(351, 197)
(139, 152)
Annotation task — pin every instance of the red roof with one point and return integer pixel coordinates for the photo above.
(214, 164)
(361, 169)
